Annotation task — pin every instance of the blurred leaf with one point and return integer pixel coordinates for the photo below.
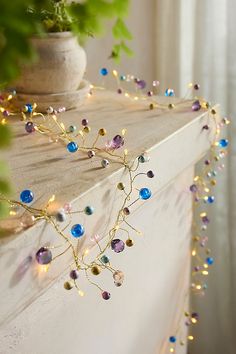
(5, 136)
(120, 31)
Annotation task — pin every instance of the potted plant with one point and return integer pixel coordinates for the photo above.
(60, 61)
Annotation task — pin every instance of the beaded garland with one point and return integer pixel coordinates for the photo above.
(75, 142)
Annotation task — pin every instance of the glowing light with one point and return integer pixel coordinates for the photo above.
(194, 253)
(115, 73)
(190, 337)
(203, 214)
(190, 85)
(81, 293)
(3, 121)
(194, 320)
(86, 252)
(172, 350)
(198, 287)
(205, 272)
(52, 199)
(43, 268)
(127, 94)
(123, 131)
(205, 265)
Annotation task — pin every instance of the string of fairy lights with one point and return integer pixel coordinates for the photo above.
(113, 151)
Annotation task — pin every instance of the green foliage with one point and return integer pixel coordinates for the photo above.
(4, 182)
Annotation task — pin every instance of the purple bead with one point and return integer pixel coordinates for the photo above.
(207, 162)
(195, 315)
(196, 106)
(6, 113)
(196, 87)
(205, 127)
(106, 295)
(29, 127)
(84, 122)
(141, 84)
(74, 274)
(43, 256)
(117, 245)
(150, 93)
(119, 91)
(117, 142)
(197, 268)
(150, 174)
(193, 188)
(126, 211)
(205, 220)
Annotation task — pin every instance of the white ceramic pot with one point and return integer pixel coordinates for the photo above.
(59, 69)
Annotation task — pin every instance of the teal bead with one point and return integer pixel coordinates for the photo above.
(105, 259)
(89, 210)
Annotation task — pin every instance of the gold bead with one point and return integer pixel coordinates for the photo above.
(207, 104)
(121, 186)
(182, 342)
(216, 158)
(196, 238)
(68, 285)
(86, 129)
(187, 314)
(102, 132)
(208, 251)
(213, 111)
(171, 106)
(129, 242)
(213, 182)
(95, 270)
(151, 106)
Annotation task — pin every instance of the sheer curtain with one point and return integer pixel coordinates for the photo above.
(177, 42)
(196, 42)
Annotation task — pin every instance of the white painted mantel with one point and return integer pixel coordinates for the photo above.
(37, 315)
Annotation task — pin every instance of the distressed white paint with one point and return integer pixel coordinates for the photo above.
(37, 315)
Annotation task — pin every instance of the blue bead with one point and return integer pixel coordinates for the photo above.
(172, 339)
(72, 147)
(105, 259)
(77, 230)
(210, 199)
(169, 92)
(29, 107)
(89, 210)
(145, 193)
(223, 143)
(210, 260)
(26, 196)
(122, 77)
(103, 71)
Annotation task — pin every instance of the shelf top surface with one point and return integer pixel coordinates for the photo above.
(48, 168)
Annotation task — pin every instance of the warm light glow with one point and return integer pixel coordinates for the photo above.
(205, 265)
(205, 272)
(9, 97)
(43, 268)
(3, 121)
(53, 197)
(86, 252)
(190, 337)
(81, 293)
(196, 178)
(203, 214)
(172, 350)
(207, 190)
(136, 98)
(125, 152)
(127, 94)
(190, 85)
(115, 73)
(123, 131)
(12, 212)
(194, 253)
(198, 287)
(194, 320)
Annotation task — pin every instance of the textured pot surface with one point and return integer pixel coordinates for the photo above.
(60, 66)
